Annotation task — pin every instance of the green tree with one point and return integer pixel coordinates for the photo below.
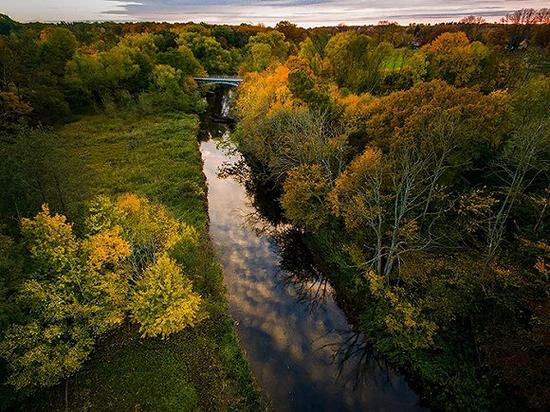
(266, 49)
(182, 59)
(58, 46)
(209, 52)
(356, 61)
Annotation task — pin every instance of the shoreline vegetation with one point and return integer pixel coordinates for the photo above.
(198, 368)
(418, 199)
(415, 160)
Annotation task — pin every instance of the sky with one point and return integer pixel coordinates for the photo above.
(307, 13)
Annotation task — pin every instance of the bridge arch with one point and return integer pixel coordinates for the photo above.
(232, 81)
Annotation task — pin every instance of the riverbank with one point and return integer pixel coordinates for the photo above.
(448, 376)
(201, 368)
(303, 350)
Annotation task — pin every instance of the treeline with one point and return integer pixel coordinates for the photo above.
(416, 156)
(421, 174)
(51, 71)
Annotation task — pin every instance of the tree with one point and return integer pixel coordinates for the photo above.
(149, 227)
(310, 52)
(473, 20)
(451, 57)
(142, 42)
(356, 61)
(260, 94)
(66, 308)
(399, 324)
(260, 57)
(276, 42)
(304, 197)
(41, 357)
(95, 76)
(141, 49)
(58, 46)
(395, 193)
(50, 242)
(11, 107)
(163, 301)
(166, 40)
(78, 289)
(8, 25)
(524, 157)
(291, 31)
(209, 52)
(182, 59)
(405, 116)
(266, 49)
(170, 91)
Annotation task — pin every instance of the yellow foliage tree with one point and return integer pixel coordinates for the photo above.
(51, 242)
(81, 288)
(262, 94)
(451, 57)
(163, 301)
(304, 196)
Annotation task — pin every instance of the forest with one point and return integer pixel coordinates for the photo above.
(414, 160)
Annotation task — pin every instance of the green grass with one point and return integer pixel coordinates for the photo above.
(396, 60)
(154, 156)
(201, 368)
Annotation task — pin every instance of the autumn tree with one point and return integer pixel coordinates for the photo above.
(291, 31)
(304, 198)
(266, 49)
(451, 57)
(356, 61)
(79, 289)
(57, 337)
(524, 159)
(260, 95)
(163, 301)
(12, 107)
(395, 188)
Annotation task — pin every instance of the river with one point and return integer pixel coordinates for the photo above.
(304, 353)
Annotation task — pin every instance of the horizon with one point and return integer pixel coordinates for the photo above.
(305, 13)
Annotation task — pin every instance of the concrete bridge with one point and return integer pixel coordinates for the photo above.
(222, 80)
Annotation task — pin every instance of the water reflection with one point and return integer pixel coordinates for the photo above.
(301, 348)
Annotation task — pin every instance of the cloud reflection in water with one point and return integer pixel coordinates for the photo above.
(296, 338)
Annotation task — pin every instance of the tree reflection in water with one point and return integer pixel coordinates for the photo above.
(354, 356)
(300, 343)
(357, 360)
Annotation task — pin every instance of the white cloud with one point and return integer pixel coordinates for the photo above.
(303, 12)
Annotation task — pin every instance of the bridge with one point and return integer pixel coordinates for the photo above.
(222, 80)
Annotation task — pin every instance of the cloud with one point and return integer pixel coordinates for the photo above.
(317, 12)
(304, 12)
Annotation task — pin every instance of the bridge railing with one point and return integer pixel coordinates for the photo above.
(223, 77)
(220, 76)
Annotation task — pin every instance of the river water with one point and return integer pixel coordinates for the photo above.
(304, 353)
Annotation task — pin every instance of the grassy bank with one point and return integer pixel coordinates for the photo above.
(201, 368)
